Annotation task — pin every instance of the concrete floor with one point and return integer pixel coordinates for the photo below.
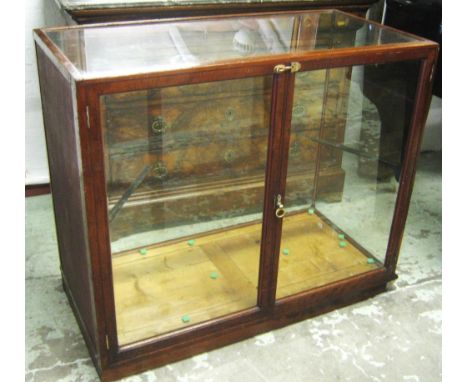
(395, 336)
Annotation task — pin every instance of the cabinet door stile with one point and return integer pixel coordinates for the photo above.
(98, 164)
(420, 110)
(280, 123)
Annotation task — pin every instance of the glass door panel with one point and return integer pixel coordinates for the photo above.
(185, 173)
(347, 136)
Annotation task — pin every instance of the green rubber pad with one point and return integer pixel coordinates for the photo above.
(213, 275)
(370, 260)
(343, 244)
(191, 242)
(185, 318)
(341, 236)
(311, 211)
(143, 251)
(285, 251)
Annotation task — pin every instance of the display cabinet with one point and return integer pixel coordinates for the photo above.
(207, 174)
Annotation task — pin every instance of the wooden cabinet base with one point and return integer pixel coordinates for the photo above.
(251, 323)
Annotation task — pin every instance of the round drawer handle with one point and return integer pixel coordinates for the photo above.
(299, 110)
(230, 114)
(160, 171)
(229, 156)
(159, 125)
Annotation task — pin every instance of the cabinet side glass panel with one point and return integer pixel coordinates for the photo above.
(349, 128)
(185, 173)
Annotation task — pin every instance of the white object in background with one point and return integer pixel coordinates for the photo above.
(185, 55)
(244, 41)
(270, 37)
(39, 13)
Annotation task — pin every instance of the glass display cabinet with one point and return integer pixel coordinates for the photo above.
(214, 178)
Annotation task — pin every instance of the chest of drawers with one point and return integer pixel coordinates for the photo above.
(197, 133)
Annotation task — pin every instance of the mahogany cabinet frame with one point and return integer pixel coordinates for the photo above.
(114, 362)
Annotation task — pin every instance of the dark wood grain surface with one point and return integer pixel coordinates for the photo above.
(69, 210)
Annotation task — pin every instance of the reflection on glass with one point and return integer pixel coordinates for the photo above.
(182, 163)
(342, 201)
(150, 47)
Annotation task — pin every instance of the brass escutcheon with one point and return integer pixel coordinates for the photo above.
(298, 110)
(230, 114)
(229, 156)
(160, 171)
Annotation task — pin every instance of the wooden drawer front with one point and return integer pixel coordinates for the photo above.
(196, 158)
(205, 107)
(193, 162)
(146, 211)
(124, 117)
(213, 118)
(197, 133)
(173, 206)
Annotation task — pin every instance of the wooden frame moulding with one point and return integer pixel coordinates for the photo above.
(277, 166)
(116, 361)
(420, 42)
(412, 149)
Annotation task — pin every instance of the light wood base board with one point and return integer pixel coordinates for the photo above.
(217, 274)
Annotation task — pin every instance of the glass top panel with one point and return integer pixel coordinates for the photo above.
(123, 49)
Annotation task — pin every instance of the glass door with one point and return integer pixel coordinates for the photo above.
(345, 153)
(185, 176)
